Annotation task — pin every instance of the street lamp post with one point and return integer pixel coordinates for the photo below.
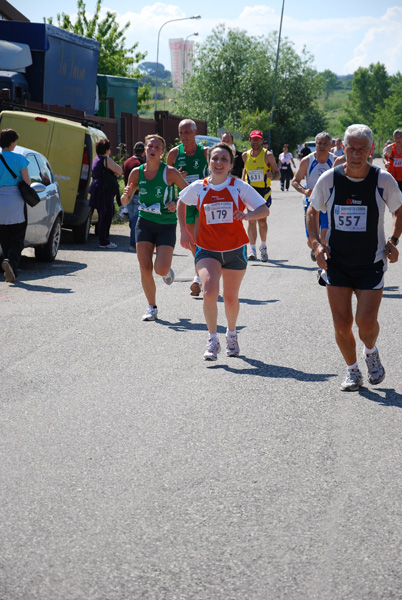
(276, 71)
(184, 53)
(157, 49)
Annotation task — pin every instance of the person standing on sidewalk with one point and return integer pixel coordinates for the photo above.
(237, 169)
(100, 198)
(13, 213)
(259, 165)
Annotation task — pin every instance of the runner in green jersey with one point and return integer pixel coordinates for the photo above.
(190, 159)
(156, 225)
(155, 195)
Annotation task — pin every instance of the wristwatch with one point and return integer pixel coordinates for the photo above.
(394, 240)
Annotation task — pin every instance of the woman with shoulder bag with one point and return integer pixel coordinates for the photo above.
(13, 215)
(102, 192)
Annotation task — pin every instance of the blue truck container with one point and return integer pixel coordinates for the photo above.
(64, 65)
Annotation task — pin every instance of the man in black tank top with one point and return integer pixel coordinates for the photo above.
(354, 258)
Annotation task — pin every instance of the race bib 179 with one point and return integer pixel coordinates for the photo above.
(219, 212)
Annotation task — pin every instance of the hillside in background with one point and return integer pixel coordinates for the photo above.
(336, 103)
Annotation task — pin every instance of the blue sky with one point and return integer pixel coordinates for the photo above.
(341, 35)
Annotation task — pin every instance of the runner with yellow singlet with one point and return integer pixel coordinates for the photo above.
(259, 164)
(190, 159)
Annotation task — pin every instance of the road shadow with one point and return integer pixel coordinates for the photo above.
(31, 269)
(34, 269)
(281, 264)
(187, 325)
(261, 369)
(252, 301)
(388, 292)
(42, 288)
(390, 397)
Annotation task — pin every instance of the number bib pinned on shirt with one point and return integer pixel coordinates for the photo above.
(219, 212)
(155, 209)
(350, 218)
(191, 178)
(256, 176)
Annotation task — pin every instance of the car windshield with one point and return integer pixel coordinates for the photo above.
(207, 140)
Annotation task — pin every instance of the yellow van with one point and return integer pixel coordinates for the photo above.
(70, 149)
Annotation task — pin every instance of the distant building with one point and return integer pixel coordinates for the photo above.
(181, 54)
(9, 13)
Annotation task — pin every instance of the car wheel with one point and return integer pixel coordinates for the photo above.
(81, 232)
(48, 252)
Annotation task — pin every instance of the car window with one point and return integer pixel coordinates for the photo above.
(39, 170)
(207, 140)
(33, 169)
(45, 170)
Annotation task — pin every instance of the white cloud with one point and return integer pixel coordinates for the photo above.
(381, 43)
(339, 44)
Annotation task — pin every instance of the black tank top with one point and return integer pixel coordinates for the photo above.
(354, 219)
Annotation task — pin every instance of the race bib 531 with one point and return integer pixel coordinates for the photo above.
(256, 176)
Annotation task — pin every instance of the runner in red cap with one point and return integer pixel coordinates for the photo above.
(259, 165)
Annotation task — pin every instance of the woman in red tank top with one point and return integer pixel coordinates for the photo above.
(221, 240)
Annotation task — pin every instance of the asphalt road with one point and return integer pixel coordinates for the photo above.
(131, 469)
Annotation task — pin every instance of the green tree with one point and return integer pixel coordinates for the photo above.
(234, 76)
(370, 89)
(329, 82)
(114, 57)
(258, 119)
(389, 117)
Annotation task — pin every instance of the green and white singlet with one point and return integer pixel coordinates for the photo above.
(196, 168)
(154, 194)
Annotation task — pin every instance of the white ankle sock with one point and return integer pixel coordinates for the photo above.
(368, 351)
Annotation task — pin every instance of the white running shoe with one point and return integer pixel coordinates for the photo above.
(375, 370)
(110, 246)
(232, 345)
(169, 278)
(264, 254)
(353, 381)
(252, 254)
(213, 349)
(150, 314)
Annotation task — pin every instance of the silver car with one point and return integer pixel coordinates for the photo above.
(207, 140)
(45, 219)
